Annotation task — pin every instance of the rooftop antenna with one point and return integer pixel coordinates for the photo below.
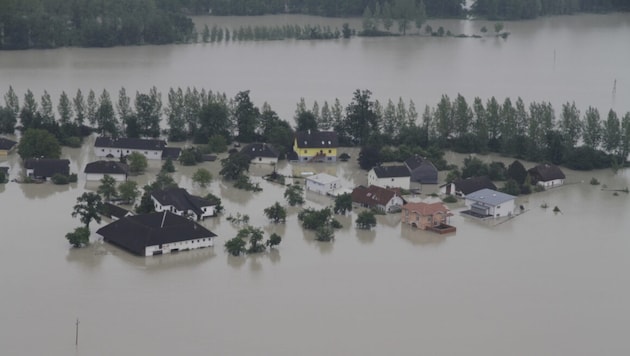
(76, 334)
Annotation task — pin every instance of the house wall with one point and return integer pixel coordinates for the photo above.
(265, 160)
(320, 188)
(396, 182)
(180, 246)
(207, 210)
(306, 154)
(551, 183)
(104, 151)
(99, 176)
(505, 209)
(394, 204)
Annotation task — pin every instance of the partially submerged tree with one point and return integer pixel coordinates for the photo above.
(79, 237)
(137, 162)
(107, 189)
(128, 191)
(294, 194)
(276, 212)
(343, 203)
(366, 220)
(236, 246)
(37, 143)
(203, 177)
(88, 207)
(234, 166)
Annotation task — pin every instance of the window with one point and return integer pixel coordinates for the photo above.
(305, 151)
(102, 150)
(329, 151)
(259, 159)
(145, 152)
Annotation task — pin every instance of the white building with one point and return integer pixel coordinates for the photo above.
(114, 148)
(261, 153)
(95, 171)
(178, 201)
(323, 183)
(390, 177)
(490, 203)
(547, 175)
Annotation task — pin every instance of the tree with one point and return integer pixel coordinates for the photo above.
(474, 167)
(29, 110)
(137, 162)
(246, 116)
(235, 246)
(366, 220)
(148, 109)
(274, 240)
(105, 118)
(168, 166)
(324, 233)
(343, 203)
(276, 212)
(175, 113)
(203, 177)
(37, 143)
(611, 133)
(187, 157)
(146, 203)
(12, 102)
(498, 27)
(88, 207)
(216, 201)
(369, 156)
(79, 237)
(361, 120)
(234, 166)
(107, 189)
(46, 110)
(7, 120)
(517, 172)
(163, 180)
(592, 128)
(511, 187)
(79, 108)
(217, 144)
(128, 191)
(294, 194)
(213, 119)
(65, 109)
(306, 121)
(570, 125)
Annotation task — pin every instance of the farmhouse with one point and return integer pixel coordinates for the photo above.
(6, 146)
(261, 153)
(427, 216)
(156, 234)
(489, 203)
(114, 148)
(323, 183)
(114, 211)
(44, 168)
(390, 176)
(95, 171)
(375, 197)
(421, 170)
(463, 187)
(180, 202)
(547, 175)
(315, 146)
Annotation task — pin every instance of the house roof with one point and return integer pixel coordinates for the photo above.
(422, 170)
(114, 211)
(48, 167)
(135, 233)
(181, 200)
(546, 172)
(473, 184)
(391, 171)
(490, 197)
(171, 152)
(6, 144)
(255, 150)
(322, 178)
(414, 162)
(427, 209)
(130, 143)
(372, 195)
(106, 167)
(316, 139)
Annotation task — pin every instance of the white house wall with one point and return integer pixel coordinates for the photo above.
(394, 202)
(321, 188)
(504, 209)
(396, 182)
(552, 183)
(104, 151)
(99, 176)
(265, 160)
(201, 242)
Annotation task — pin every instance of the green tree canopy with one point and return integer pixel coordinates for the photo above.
(366, 220)
(277, 213)
(37, 143)
(107, 189)
(202, 176)
(79, 237)
(343, 203)
(88, 207)
(137, 162)
(234, 166)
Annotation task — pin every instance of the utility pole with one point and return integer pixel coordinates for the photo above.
(76, 337)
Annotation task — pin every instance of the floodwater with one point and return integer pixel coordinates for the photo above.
(538, 284)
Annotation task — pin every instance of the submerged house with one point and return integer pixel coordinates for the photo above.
(547, 175)
(421, 170)
(45, 168)
(95, 171)
(6, 146)
(114, 211)
(156, 234)
(117, 147)
(179, 201)
(396, 176)
(427, 216)
(315, 146)
(463, 187)
(489, 203)
(261, 153)
(323, 183)
(379, 198)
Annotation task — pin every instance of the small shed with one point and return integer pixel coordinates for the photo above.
(323, 183)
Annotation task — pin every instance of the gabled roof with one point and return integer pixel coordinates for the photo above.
(322, 178)
(135, 233)
(414, 162)
(397, 171)
(114, 211)
(427, 209)
(473, 184)
(490, 197)
(181, 200)
(6, 144)
(372, 195)
(422, 170)
(255, 150)
(48, 167)
(171, 152)
(316, 139)
(546, 172)
(106, 167)
(130, 143)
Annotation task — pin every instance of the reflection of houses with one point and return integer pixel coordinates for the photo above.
(427, 216)
(315, 146)
(421, 170)
(114, 211)
(323, 183)
(375, 197)
(261, 153)
(390, 176)
(114, 148)
(44, 168)
(463, 187)
(6, 146)
(95, 171)
(489, 203)
(156, 233)
(5, 172)
(180, 202)
(547, 175)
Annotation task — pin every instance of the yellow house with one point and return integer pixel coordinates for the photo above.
(316, 146)
(6, 146)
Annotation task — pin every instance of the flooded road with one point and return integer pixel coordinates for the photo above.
(539, 284)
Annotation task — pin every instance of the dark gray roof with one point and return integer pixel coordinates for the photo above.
(181, 200)
(131, 143)
(546, 172)
(490, 197)
(422, 170)
(255, 150)
(317, 139)
(106, 167)
(171, 152)
(112, 210)
(473, 184)
(135, 233)
(48, 167)
(6, 144)
(391, 171)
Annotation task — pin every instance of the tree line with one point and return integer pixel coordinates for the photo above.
(529, 9)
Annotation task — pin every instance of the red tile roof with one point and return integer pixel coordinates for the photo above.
(427, 209)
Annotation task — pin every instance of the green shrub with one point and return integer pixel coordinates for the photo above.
(72, 141)
(449, 199)
(594, 181)
(60, 179)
